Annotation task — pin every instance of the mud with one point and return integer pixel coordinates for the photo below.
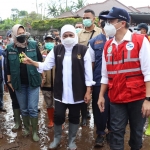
(15, 141)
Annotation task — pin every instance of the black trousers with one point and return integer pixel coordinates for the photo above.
(15, 104)
(119, 116)
(60, 113)
(102, 120)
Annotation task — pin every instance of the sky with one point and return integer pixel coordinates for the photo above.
(30, 5)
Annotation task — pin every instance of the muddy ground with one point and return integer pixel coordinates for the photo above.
(15, 141)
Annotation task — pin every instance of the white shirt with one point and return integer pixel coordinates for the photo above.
(144, 57)
(67, 96)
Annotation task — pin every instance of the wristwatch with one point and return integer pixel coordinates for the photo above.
(147, 98)
(8, 81)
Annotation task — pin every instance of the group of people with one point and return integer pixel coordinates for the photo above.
(108, 62)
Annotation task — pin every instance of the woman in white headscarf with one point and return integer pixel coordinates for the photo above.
(73, 79)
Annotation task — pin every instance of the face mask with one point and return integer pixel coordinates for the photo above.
(103, 24)
(138, 32)
(49, 46)
(21, 38)
(78, 30)
(11, 40)
(68, 41)
(110, 29)
(87, 22)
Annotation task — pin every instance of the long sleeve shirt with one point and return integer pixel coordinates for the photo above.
(144, 57)
(67, 96)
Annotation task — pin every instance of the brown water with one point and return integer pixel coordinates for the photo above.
(15, 141)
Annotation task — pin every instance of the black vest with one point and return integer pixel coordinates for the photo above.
(78, 71)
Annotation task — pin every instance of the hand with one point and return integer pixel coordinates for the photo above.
(43, 82)
(10, 85)
(101, 103)
(5, 88)
(87, 97)
(146, 108)
(26, 60)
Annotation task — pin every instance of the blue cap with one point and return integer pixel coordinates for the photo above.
(8, 33)
(117, 13)
(142, 26)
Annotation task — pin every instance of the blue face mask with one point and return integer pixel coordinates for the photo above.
(78, 30)
(49, 46)
(87, 22)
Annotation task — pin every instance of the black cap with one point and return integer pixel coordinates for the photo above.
(117, 13)
(142, 25)
(103, 13)
(49, 36)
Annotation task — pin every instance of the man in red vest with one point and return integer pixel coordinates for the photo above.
(126, 73)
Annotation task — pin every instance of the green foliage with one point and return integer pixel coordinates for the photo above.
(8, 24)
(54, 23)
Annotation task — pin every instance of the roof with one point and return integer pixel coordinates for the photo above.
(134, 9)
(68, 14)
(144, 9)
(140, 17)
(106, 5)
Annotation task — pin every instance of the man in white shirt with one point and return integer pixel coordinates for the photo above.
(126, 73)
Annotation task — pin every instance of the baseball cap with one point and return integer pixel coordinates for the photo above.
(103, 13)
(49, 36)
(117, 13)
(142, 25)
(8, 33)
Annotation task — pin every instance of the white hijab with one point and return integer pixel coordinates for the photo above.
(69, 28)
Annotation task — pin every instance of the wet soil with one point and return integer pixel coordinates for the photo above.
(15, 141)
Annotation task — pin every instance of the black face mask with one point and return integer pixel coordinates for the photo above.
(21, 38)
(57, 39)
(103, 24)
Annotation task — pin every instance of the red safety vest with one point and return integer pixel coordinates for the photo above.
(125, 78)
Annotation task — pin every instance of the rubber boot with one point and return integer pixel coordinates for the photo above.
(57, 136)
(26, 123)
(147, 132)
(16, 119)
(50, 112)
(84, 114)
(34, 123)
(73, 128)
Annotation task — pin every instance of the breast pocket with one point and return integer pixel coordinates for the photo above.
(32, 55)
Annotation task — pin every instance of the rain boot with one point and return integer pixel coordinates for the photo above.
(50, 112)
(16, 119)
(147, 132)
(84, 114)
(73, 128)
(26, 123)
(34, 123)
(57, 137)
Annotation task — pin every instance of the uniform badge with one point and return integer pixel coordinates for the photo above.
(79, 56)
(129, 46)
(109, 50)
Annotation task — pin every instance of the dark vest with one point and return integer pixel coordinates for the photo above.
(1, 76)
(97, 44)
(13, 57)
(78, 71)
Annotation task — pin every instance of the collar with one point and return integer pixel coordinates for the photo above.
(95, 28)
(127, 37)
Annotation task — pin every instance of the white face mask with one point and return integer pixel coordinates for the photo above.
(138, 32)
(110, 29)
(69, 41)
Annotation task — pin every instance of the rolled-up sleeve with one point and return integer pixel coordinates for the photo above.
(88, 69)
(48, 63)
(104, 79)
(144, 57)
